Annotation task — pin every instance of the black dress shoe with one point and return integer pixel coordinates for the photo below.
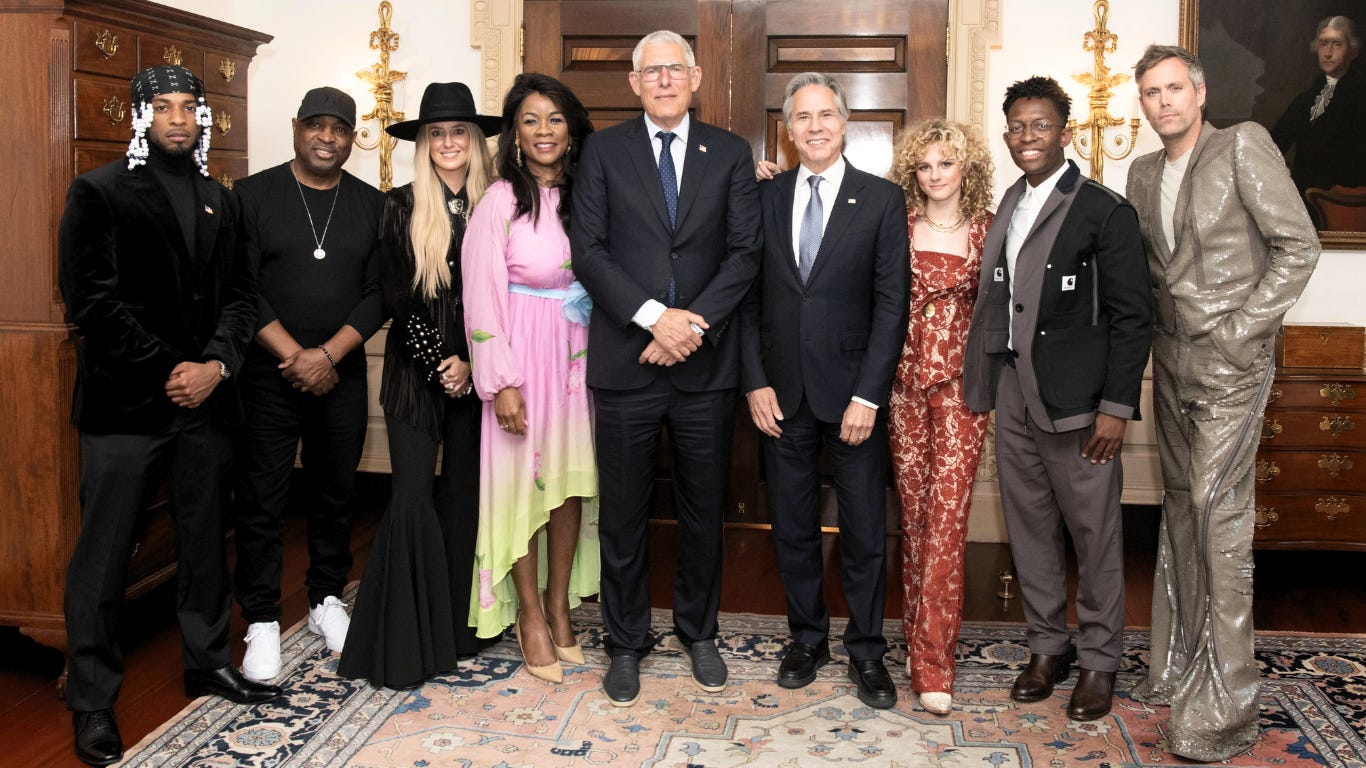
(875, 686)
(801, 663)
(1044, 671)
(1092, 696)
(622, 681)
(97, 737)
(228, 683)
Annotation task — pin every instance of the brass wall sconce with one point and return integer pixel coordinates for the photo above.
(1088, 138)
(382, 80)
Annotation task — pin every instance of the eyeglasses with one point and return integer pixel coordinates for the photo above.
(1038, 126)
(654, 71)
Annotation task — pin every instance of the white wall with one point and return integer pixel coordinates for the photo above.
(317, 47)
(1045, 37)
(327, 44)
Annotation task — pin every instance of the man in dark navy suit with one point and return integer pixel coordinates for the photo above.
(821, 333)
(665, 237)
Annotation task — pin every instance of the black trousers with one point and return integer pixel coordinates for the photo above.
(332, 428)
(119, 474)
(412, 454)
(792, 463)
(627, 432)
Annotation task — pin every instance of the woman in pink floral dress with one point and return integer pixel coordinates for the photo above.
(936, 441)
(527, 321)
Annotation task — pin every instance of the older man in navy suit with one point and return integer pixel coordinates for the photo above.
(821, 334)
(665, 237)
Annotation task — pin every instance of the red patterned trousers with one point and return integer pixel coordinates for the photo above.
(936, 443)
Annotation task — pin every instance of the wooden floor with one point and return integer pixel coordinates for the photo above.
(1299, 591)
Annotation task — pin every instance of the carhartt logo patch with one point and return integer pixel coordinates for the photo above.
(1069, 282)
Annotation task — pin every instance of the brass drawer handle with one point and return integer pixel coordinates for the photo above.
(228, 68)
(1276, 394)
(114, 110)
(223, 121)
(225, 180)
(172, 55)
(1335, 463)
(1337, 424)
(1266, 470)
(107, 43)
(1332, 507)
(1271, 428)
(1265, 517)
(1337, 392)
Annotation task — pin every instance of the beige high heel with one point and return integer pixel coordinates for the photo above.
(551, 673)
(569, 654)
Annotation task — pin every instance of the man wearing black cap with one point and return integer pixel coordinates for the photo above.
(157, 281)
(311, 230)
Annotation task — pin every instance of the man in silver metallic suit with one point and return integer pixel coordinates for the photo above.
(1230, 248)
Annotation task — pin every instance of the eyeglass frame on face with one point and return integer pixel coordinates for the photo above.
(651, 74)
(1040, 127)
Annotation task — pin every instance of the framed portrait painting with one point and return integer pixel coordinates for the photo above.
(1266, 61)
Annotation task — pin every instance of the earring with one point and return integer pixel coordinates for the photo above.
(568, 145)
(519, 153)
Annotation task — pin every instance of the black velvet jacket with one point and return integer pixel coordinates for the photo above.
(143, 303)
(423, 332)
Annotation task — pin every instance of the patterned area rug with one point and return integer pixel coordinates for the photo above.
(492, 713)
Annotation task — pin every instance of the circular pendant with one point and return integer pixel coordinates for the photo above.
(319, 253)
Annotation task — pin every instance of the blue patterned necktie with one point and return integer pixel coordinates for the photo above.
(810, 242)
(669, 179)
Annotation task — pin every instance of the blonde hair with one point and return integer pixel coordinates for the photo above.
(430, 227)
(961, 142)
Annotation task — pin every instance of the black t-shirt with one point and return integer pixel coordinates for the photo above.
(313, 298)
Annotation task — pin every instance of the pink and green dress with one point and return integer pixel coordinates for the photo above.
(515, 278)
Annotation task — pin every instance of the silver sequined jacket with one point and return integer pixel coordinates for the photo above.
(1245, 247)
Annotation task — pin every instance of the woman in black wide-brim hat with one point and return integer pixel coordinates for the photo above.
(411, 619)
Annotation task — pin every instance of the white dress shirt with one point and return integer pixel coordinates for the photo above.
(1022, 220)
(649, 312)
(831, 178)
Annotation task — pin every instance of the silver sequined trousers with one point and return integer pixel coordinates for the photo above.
(1209, 416)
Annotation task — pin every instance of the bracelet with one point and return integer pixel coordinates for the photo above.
(328, 355)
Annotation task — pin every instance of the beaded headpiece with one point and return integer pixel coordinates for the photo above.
(155, 81)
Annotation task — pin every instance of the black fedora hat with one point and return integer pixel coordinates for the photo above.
(442, 102)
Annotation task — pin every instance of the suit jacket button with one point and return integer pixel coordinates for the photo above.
(674, 255)
(1019, 307)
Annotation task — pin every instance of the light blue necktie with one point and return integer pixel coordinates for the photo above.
(810, 233)
(669, 179)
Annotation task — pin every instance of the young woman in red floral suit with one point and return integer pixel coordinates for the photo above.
(946, 170)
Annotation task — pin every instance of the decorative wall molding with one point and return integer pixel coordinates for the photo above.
(496, 31)
(974, 28)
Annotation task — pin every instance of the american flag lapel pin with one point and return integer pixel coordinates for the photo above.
(852, 201)
(208, 210)
(701, 147)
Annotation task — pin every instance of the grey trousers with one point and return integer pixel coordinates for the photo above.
(1209, 415)
(1045, 483)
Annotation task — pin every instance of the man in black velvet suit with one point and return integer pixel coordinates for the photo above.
(821, 333)
(665, 237)
(156, 282)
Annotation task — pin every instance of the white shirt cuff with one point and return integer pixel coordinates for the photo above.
(861, 401)
(648, 314)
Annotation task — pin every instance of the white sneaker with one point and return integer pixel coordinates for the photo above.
(329, 619)
(262, 660)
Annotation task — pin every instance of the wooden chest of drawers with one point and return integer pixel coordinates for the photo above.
(1311, 463)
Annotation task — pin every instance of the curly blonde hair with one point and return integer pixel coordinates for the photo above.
(961, 142)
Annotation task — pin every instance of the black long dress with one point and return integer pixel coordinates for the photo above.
(410, 620)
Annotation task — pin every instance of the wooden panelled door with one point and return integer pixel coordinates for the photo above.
(890, 55)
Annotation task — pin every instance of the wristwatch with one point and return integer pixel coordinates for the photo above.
(223, 371)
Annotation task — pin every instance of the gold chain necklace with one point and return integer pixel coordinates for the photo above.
(944, 228)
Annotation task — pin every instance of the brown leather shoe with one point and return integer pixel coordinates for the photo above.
(1092, 696)
(1044, 671)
